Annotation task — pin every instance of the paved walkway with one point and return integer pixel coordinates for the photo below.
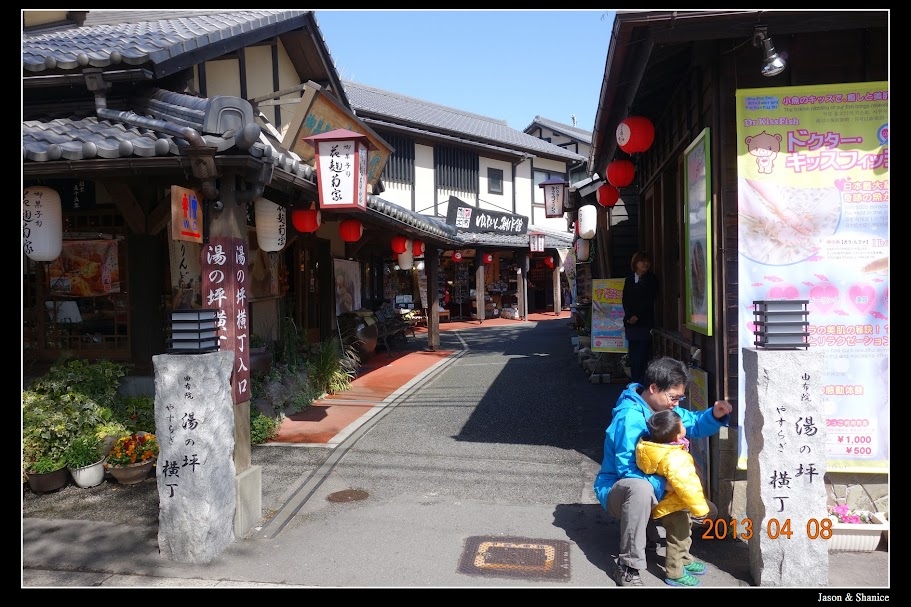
(330, 420)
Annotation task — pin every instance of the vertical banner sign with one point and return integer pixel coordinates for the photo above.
(699, 235)
(186, 215)
(813, 206)
(224, 287)
(607, 315)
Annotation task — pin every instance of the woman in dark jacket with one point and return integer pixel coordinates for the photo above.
(639, 292)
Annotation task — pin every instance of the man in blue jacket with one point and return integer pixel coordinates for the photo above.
(626, 492)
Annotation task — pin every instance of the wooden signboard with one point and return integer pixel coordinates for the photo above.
(319, 112)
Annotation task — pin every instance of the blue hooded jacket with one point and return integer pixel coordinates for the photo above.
(627, 426)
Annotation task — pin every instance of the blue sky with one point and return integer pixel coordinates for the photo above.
(509, 65)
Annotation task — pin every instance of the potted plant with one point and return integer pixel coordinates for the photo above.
(855, 530)
(47, 473)
(74, 398)
(132, 457)
(85, 460)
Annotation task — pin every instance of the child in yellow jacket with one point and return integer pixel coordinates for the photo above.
(665, 451)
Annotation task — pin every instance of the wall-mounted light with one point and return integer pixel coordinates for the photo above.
(772, 62)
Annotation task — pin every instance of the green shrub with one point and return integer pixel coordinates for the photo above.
(46, 464)
(83, 451)
(262, 427)
(74, 398)
(326, 367)
(136, 413)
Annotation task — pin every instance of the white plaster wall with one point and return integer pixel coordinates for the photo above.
(495, 202)
(223, 77)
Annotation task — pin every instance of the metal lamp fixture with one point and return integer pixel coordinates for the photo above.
(772, 63)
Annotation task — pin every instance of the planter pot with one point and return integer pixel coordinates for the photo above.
(131, 474)
(88, 476)
(849, 537)
(48, 481)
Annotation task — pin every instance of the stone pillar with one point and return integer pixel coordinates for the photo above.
(194, 422)
(786, 465)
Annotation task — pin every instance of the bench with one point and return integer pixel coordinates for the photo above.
(390, 327)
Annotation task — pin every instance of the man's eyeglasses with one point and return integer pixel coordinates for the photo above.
(674, 399)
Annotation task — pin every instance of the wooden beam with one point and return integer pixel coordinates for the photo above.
(160, 216)
(128, 205)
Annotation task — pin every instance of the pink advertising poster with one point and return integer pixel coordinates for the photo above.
(813, 206)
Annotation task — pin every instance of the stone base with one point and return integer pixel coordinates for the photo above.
(249, 487)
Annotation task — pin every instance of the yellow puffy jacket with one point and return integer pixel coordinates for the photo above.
(675, 464)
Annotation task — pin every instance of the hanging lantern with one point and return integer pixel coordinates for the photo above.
(488, 258)
(549, 261)
(588, 221)
(417, 248)
(341, 168)
(271, 225)
(620, 173)
(457, 256)
(635, 134)
(306, 221)
(554, 195)
(583, 249)
(42, 223)
(406, 258)
(399, 244)
(608, 195)
(351, 230)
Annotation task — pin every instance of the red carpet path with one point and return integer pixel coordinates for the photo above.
(331, 418)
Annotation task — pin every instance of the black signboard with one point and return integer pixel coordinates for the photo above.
(75, 194)
(472, 219)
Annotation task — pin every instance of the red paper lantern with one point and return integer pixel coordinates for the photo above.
(457, 256)
(399, 244)
(351, 230)
(549, 262)
(417, 248)
(635, 134)
(306, 220)
(608, 195)
(488, 257)
(620, 173)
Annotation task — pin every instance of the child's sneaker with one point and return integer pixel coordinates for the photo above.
(695, 568)
(686, 580)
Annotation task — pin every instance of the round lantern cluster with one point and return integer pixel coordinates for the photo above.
(42, 223)
(271, 228)
(306, 221)
(351, 230)
(608, 195)
(620, 173)
(635, 134)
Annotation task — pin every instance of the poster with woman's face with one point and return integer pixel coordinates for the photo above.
(347, 286)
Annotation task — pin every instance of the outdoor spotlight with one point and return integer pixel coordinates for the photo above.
(772, 63)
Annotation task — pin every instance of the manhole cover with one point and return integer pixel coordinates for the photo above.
(516, 557)
(348, 495)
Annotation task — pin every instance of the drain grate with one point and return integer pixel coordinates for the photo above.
(515, 557)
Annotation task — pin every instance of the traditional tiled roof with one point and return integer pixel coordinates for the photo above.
(572, 132)
(552, 239)
(402, 111)
(158, 43)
